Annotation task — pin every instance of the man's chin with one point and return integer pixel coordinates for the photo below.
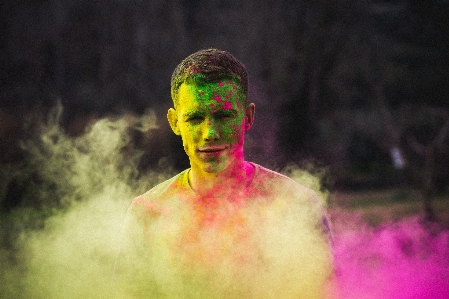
(213, 167)
(211, 164)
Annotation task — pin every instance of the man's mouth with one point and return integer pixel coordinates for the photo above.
(211, 149)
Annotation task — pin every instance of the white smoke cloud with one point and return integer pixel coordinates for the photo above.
(65, 245)
(66, 234)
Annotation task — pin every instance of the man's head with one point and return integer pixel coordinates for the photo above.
(206, 66)
(209, 91)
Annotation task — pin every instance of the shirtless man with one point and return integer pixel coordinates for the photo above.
(225, 227)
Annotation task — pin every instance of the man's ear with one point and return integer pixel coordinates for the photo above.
(172, 117)
(249, 116)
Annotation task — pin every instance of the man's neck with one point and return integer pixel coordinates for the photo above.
(231, 180)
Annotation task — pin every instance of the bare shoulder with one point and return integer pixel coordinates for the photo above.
(152, 201)
(293, 199)
(269, 181)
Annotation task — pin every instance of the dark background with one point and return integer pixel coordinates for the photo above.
(337, 83)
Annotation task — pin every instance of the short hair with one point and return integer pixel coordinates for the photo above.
(207, 66)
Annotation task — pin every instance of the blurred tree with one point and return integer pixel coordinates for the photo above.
(374, 80)
(321, 71)
(321, 29)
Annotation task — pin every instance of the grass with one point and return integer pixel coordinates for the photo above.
(377, 206)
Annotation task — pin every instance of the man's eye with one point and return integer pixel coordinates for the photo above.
(194, 119)
(224, 116)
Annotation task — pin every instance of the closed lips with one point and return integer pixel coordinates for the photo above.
(212, 149)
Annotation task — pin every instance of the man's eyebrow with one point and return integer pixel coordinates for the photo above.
(192, 113)
(226, 112)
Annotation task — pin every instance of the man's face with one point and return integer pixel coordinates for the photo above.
(212, 121)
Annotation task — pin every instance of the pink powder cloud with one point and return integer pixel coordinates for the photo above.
(401, 260)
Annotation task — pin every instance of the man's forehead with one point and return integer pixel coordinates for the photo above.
(201, 96)
(224, 85)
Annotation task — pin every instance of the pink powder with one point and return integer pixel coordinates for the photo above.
(401, 260)
(227, 105)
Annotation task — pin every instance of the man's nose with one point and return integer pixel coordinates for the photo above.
(211, 131)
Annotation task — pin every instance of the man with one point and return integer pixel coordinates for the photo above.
(225, 227)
